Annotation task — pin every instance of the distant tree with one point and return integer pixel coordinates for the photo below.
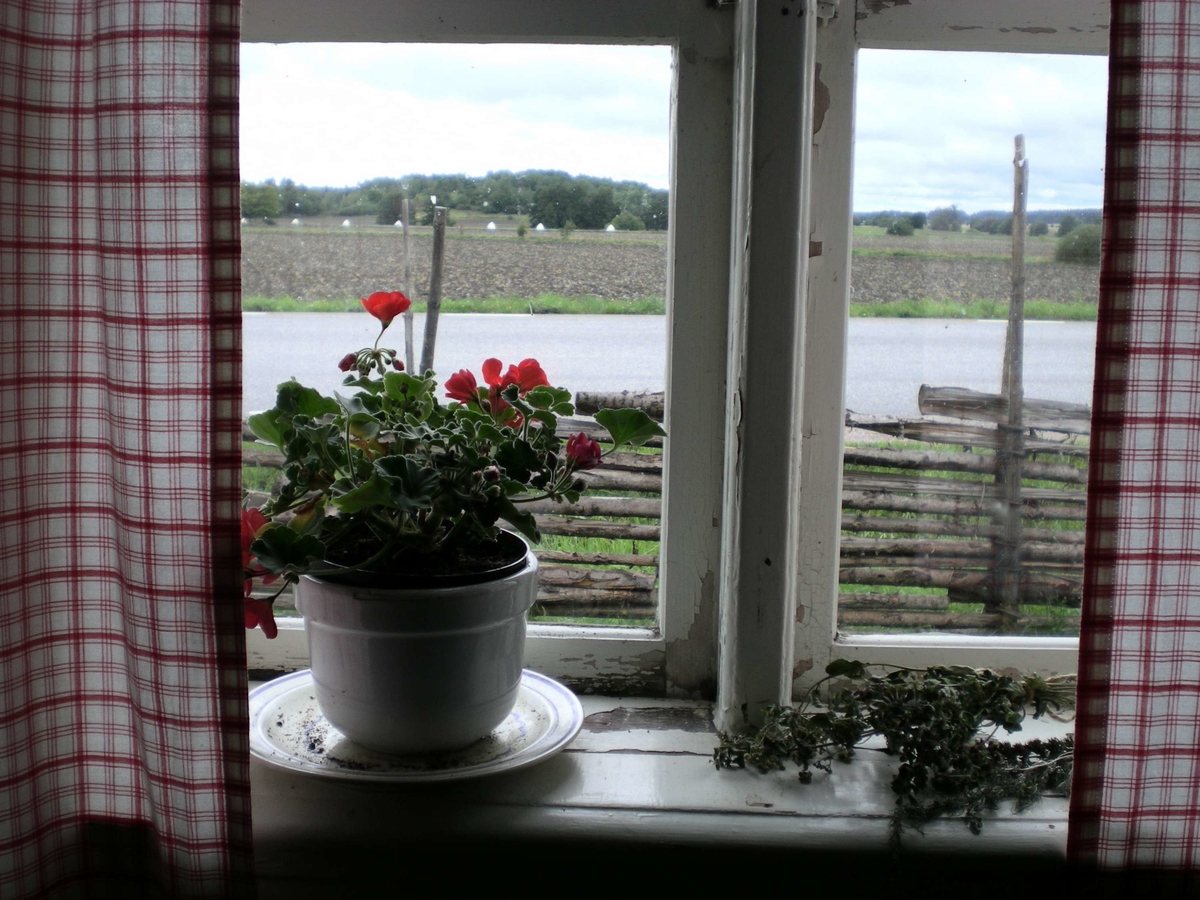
(627, 221)
(568, 228)
(901, 227)
(946, 218)
(1038, 229)
(656, 208)
(1067, 224)
(1080, 245)
(260, 201)
(918, 220)
(391, 208)
(552, 200)
(599, 207)
(982, 223)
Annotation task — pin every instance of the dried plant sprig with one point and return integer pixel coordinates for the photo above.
(940, 722)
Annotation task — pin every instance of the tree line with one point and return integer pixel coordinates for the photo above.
(1078, 230)
(554, 199)
(951, 218)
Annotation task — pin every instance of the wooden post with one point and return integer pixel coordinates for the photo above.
(1007, 568)
(434, 304)
(408, 292)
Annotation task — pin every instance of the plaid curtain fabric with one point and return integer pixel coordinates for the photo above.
(124, 766)
(1136, 799)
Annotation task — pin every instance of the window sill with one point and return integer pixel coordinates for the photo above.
(638, 779)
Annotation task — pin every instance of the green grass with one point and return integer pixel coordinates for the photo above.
(592, 621)
(257, 478)
(926, 308)
(543, 304)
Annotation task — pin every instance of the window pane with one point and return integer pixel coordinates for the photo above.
(924, 511)
(557, 203)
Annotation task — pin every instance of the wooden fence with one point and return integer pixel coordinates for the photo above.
(923, 516)
(931, 515)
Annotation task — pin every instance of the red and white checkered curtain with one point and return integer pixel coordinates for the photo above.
(124, 766)
(1136, 798)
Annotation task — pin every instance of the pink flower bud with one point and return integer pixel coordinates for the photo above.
(582, 451)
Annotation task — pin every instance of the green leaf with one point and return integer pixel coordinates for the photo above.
(412, 485)
(375, 491)
(629, 426)
(550, 398)
(280, 549)
(512, 396)
(490, 433)
(269, 426)
(351, 406)
(546, 418)
(308, 519)
(404, 387)
(294, 399)
(363, 425)
(518, 459)
(519, 519)
(846, 668)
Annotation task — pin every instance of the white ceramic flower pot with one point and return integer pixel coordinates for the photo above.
(417, 670)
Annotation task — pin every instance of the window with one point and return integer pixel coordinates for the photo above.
(756, 385)
(1076, 28)
(923, 535)
(552, 163)
(680, 648)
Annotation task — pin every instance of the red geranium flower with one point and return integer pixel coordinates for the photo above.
(526, 375)
(582, 451)
(252, 521)
(258, 612)
(461, 386)
(386, 305)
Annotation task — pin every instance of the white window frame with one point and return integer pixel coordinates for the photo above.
(746, 579)
(678, 656)
(1015, 26)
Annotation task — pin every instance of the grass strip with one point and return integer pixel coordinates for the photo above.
(926, 308)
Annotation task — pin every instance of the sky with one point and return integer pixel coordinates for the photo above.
(932, 128)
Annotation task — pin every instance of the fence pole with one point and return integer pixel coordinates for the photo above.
(1008, 568)
(434, 304)
(407, 288)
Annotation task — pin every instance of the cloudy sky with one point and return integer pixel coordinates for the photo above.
(933, 128)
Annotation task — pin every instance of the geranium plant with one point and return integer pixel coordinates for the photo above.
(389, 479)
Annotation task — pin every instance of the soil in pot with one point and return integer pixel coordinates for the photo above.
(447, 567)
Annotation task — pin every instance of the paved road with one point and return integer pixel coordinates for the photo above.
(889, 358)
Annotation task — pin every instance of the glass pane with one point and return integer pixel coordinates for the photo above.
(926, 514)
(554, 249)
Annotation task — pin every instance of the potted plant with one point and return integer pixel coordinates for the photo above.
(387, 518)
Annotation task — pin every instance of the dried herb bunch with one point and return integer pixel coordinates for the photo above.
(940, 722)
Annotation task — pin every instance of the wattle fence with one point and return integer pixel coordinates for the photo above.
(920, 521)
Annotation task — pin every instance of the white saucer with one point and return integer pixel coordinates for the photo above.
(288, 730)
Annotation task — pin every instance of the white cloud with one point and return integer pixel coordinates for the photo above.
(341, 114)
(937, 128)
(932, 128)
